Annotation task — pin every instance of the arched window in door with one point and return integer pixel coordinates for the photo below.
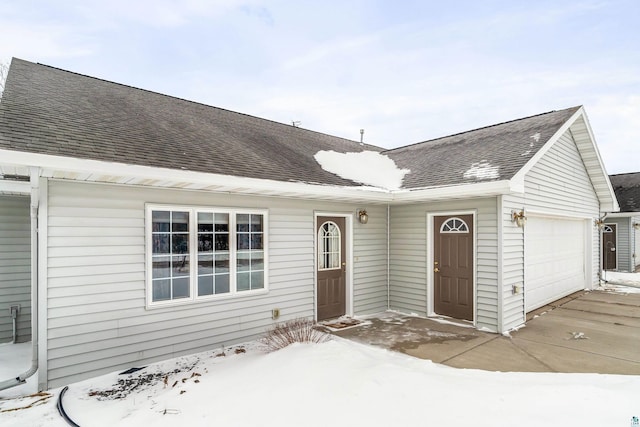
(329, 246)
(454, 225)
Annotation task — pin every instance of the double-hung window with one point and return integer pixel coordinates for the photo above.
(204, 253)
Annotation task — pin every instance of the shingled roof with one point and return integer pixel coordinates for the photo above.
(627, 189)
(51, 111)
(490, 153)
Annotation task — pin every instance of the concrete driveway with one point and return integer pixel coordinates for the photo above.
(585, 332)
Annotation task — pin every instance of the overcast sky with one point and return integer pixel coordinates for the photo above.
(405, 71)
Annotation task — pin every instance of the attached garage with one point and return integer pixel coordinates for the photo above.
(556, 250)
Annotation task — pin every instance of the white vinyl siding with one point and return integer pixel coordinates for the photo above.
(623, 242)
(97, 321)
(15, 267)
(408, 254)
(370, 262)
(557, 185)
(627, 244)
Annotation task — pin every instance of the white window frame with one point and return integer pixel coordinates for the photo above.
(193, 253)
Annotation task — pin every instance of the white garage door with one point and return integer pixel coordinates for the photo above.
(554, 259)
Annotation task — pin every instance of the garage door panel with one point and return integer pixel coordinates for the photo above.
(554, 259)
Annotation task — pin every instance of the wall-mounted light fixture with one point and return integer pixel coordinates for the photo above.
(636, 225)
(599, 223)
(363, 217)
(519, 218)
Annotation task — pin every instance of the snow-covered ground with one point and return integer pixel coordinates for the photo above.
(621, 282)
(15, 359)
(339, 383)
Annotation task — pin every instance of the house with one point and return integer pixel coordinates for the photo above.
(621, 230)
(146, 227)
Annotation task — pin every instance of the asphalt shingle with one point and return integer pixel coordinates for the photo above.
(627, 189)
(491, 153)
(51, 111)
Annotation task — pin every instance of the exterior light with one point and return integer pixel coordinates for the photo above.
(636, 225)
(519, 218)
(363, 217)
(599, 223)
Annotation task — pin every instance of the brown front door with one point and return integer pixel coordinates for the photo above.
(609, 234)
(453, 266)
(331, 268)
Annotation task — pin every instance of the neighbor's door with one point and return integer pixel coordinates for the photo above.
(331, 268)
(453, 266)
(609, 237)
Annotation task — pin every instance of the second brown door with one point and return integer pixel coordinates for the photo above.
(609, 235)
(453, 266)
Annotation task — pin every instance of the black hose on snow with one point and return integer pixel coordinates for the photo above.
(61, 410)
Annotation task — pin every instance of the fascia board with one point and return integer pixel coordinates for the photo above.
(84, 166)
(614, 206)
(622, 214)
(481, 189)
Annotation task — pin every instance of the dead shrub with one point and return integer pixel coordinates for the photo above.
(296, 330)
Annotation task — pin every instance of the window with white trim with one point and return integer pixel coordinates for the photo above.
(454, 225)
(204, 253)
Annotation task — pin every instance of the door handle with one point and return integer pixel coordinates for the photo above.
(436, 270)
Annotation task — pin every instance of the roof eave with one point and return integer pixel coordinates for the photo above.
(67, 168)
(462, 191)
(623, 214)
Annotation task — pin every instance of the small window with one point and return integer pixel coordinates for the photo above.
(607, 229)
(454, 225)
(329, 246)
(200, 253)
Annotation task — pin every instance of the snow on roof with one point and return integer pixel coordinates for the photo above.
(482, 170)
(366, 167)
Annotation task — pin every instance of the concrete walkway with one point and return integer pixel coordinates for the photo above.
(585, 332)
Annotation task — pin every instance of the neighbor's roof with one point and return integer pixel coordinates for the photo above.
(490, 153)
(627, 189)
(51, 111)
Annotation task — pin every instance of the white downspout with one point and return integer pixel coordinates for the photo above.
(388, 256)
(35, 197)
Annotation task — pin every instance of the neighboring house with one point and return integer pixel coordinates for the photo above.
(161, 227)
(621, 230)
